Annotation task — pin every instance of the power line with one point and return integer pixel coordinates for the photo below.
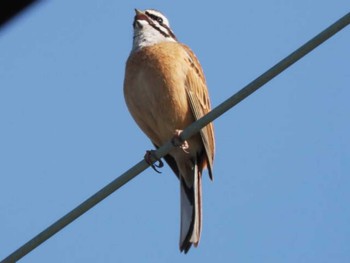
(186, 134)
(9, 9)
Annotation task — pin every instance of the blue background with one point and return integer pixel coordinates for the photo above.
(282, 170)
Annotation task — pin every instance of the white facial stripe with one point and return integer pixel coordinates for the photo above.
(156, 13)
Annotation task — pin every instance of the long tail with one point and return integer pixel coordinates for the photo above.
(191, 210)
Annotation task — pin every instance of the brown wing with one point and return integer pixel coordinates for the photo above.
(198, 97)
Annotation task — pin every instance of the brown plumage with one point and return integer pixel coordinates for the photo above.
(165, 91)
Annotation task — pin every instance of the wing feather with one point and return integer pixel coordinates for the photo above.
(198, 97)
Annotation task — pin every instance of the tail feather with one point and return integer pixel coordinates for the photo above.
(191, 210)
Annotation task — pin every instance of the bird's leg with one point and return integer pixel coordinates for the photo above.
(178, 142)
(152, 160)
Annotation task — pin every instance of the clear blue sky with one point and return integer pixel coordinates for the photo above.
(282, 167)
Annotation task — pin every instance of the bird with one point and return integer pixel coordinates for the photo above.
(165, 91)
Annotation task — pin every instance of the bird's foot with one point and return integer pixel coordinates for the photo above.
(153, 161)
(178, 142)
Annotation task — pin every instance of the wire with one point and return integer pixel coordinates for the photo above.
(9, 9)
(187, 133)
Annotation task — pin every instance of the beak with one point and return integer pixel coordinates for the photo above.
(138, 12)
(139, 15)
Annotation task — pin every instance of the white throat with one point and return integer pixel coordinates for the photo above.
(148, 36)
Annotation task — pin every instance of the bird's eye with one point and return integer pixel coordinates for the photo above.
(154, 17)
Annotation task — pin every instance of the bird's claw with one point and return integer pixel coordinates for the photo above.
(152, 160)
(178, 142)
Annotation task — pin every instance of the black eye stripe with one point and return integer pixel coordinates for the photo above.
(156, 18)
(152, 18)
